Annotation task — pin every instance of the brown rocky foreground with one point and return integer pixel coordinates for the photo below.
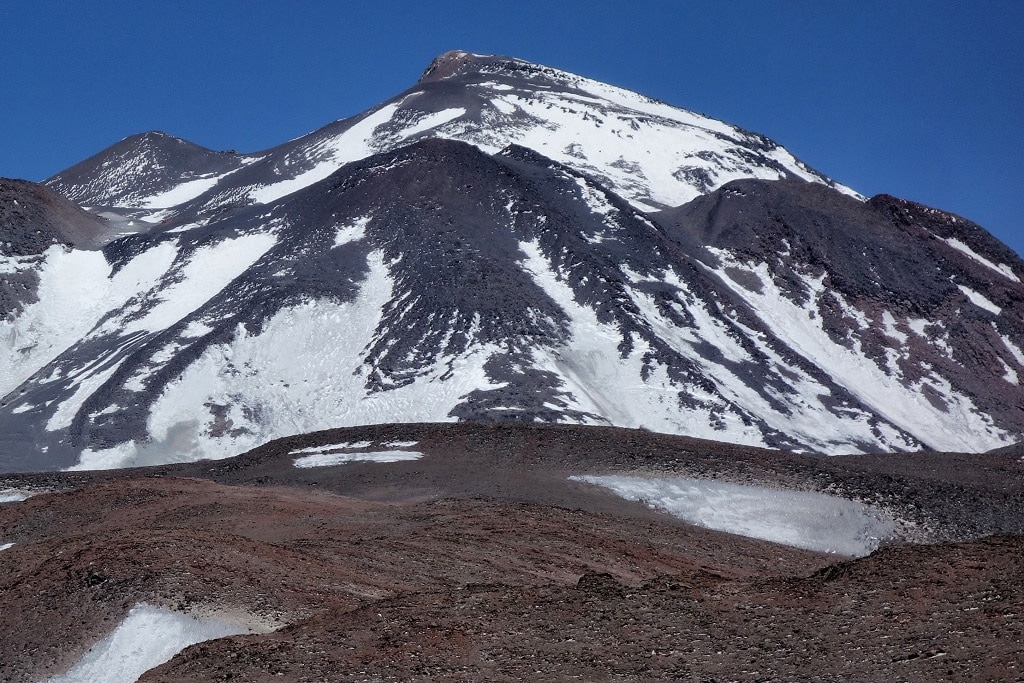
(483, 562)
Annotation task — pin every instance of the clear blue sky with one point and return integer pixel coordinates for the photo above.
(924, 100)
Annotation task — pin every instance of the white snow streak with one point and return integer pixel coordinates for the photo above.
(807, 419)
(1014, 350)
(357, 142)
(604, 383)
(351, 445)
(1009, 374)
(180, 194)
(208, 271)
(979, 300)
(1000, 268)
(433, 120)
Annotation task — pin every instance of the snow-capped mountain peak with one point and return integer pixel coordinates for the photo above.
(503, 241)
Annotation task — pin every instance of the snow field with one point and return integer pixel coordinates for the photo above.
(641, 147)
(206, 273)
(813, 521)
(806, 419)
(75, 291)
(180, 193)
(319, 384)
(146, 638)
(357, 142)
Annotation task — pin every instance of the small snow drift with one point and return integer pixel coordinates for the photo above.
(813, 521)
(15, 495)
(148, 637)
(5, 546)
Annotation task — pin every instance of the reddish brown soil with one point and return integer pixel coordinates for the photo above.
(482, 562)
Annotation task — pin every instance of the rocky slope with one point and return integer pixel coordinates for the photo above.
(481, 559)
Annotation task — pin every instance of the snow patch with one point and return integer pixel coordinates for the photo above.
(603, 382)
(979, 300)
(5, 546)
(1014, 350)
(207, 272)
(350, 445)
(352, 232)
(146, 638)
(329, 459)
(802, 519)
(16, 495)
(889, 322)
(320, 383)
(1000, 268)
(1009, 374)
(433, 120)
(180, 194)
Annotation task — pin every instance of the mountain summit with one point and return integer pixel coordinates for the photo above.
(503, 241)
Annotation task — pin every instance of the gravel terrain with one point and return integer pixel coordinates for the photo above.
(482, 561)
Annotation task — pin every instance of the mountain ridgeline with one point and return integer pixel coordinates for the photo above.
(501, 242)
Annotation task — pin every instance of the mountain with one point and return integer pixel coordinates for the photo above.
(503, 241)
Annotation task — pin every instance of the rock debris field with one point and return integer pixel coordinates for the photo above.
(483, 555)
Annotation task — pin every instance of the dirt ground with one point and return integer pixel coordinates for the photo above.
(483, 562)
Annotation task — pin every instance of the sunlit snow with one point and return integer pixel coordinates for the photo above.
(146, 638)
(433, 120)
(351, 232)
(652, 154)
(1000, 268)
(350, 445)
(603, 383)
(206, 273)
(328, 459)
(180, 193)
(814, 521)
(75, 290)
(5, 546)
(357, 142)
(979, 300)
